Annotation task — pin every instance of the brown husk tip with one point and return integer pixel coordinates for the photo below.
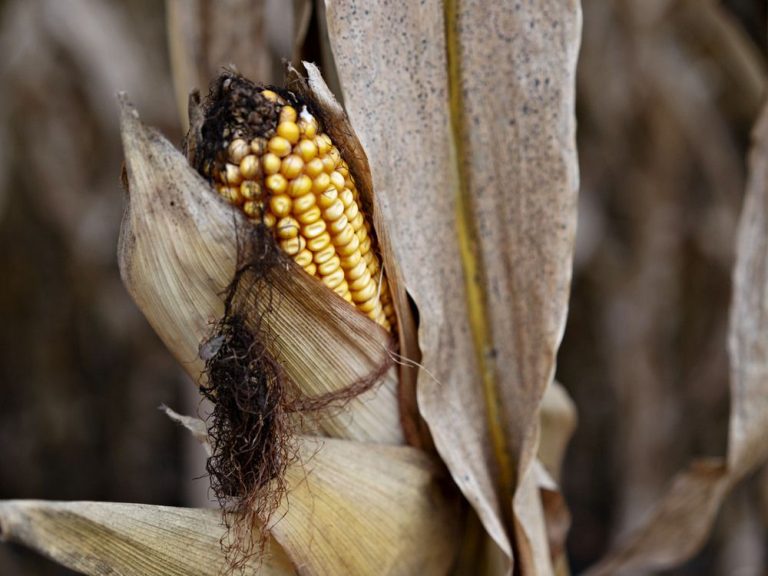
(257, 409)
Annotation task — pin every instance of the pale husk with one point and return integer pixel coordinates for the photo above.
(352, 508)
(178, 254)
(100, 538)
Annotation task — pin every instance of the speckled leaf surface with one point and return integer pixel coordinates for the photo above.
(466, 113)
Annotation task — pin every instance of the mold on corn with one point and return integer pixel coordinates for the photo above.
(267, 154)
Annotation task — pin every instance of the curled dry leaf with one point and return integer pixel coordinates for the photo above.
(479, 197)
(680, 523)
(100, 538)
(178, 254)
(352, 508)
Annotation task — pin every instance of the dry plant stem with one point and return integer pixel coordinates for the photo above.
(206, 35)
(516, 186)
(680, 523)
(178, 254)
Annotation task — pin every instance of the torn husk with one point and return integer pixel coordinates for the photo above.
(178, 255)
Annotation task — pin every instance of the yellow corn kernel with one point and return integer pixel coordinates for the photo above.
(289, 131)
(279, 146)
(297, 184)
(292, 166)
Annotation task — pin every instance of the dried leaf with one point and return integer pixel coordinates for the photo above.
(177, 254)
(479, 200)
(680, 523)
(337, 518)
(101, 538)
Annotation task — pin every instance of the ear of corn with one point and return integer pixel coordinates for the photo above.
(293, 179)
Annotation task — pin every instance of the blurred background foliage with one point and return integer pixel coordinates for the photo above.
(667, 94)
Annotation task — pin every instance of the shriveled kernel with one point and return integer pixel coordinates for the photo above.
(258, 146)
(232, 174)
(292, 166)
(289, 131)
(321, 183)
(252, 209)
(250, 189)
(237, 150)
(307, 150)
(288, 114)
(230, 194)
(310, 216)
(277, 183)
(314, 167)
(287, 228)
(280, 204)
(249, 167)
(279, 146)
(300, 186)
(270, 163)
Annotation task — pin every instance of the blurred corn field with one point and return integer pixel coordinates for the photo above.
(667, 95)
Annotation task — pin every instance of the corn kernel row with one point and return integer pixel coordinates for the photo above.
(297, 184)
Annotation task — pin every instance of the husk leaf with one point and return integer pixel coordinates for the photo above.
(351, 508)
(479, 197)
(100, 538)
(178, 254)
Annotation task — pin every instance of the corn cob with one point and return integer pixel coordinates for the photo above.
(292, 178)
